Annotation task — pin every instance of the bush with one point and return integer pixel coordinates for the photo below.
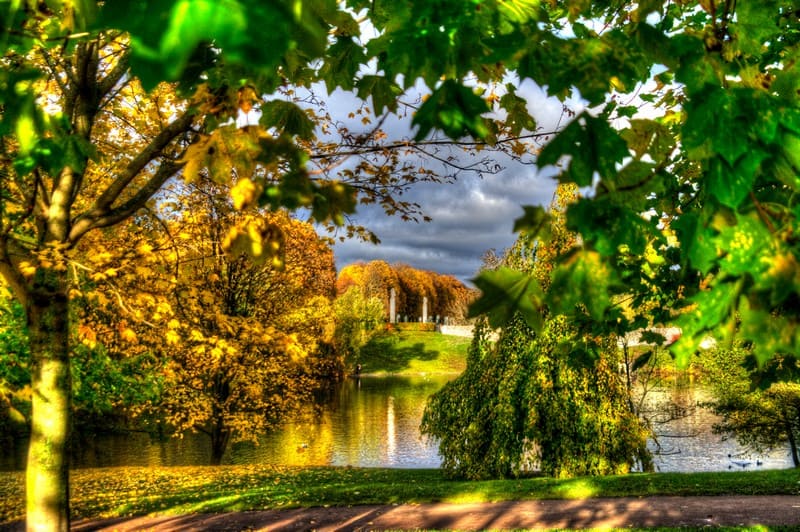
(521, 407)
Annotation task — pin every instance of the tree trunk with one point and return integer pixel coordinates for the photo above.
(792, 442)
(47, 475)
(219, 442)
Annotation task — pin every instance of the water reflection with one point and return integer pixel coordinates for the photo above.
(685, 442)
(370, 422)
(140, 449)
(374, 422)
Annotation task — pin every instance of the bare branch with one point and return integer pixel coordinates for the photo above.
(451, 163)
(54, 71)
(410, 144)
(107, 84)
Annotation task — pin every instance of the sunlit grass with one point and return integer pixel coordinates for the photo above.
(580, 488)
(414, 353)
(127, 491)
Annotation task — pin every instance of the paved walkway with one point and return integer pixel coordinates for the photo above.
(589, 513)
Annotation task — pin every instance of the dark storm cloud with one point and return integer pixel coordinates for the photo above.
(469, 217)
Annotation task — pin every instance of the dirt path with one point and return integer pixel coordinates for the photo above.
(589, 513)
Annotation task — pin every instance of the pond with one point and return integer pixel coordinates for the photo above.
(374, 422)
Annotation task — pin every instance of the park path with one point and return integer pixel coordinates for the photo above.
(540, 514)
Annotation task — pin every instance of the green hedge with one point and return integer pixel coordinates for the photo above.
(415, 326)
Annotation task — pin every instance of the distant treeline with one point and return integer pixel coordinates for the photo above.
(447, 296)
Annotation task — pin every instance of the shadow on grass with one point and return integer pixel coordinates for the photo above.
(382, 353)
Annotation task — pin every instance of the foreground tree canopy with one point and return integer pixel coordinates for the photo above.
(691, 195)
(105, 102)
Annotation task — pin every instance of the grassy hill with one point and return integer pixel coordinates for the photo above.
(414, 353)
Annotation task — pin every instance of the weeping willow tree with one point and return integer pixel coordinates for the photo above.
(552, 401)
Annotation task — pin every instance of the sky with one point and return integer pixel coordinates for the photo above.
(469, 217)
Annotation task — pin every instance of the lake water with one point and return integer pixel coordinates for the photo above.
(374, 422)
(687, 443)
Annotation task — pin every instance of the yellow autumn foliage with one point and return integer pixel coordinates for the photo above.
(234, 333)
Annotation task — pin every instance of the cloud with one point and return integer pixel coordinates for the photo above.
(469, 217)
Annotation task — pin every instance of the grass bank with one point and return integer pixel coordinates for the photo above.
(118, 492)
(414, 353)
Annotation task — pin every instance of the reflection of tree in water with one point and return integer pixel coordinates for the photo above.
(368, 421)
(661, 398)
(671, 404)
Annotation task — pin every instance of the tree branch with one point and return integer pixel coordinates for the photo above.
(145, 157)
(114, 75)
(12, 276)
(109, 217)
(410, 144)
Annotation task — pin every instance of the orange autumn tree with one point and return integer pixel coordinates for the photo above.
(242, 344)
(416, 285)
(452, 297)
(375, 279)
(447, 296)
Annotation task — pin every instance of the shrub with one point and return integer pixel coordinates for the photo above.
(416, 326)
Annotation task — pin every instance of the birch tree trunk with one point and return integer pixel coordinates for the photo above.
(47, 474)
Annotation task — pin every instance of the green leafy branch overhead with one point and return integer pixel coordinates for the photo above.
(702, 186)
(719, 144)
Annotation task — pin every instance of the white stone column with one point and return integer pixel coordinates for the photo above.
(392, 306)
(424, 309)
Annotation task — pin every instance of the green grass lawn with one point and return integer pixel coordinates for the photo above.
(126, 491)
(414, 353)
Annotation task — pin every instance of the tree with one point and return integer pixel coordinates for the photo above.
(249, 347)
(55, 191)
(527, 402)
(763, 419)
(416, 286)
(452, 297)
(447, 296)
(15, 376)
(242, 345)
(375, 279)
(759, 406)
(358, 318)
(703, 182)
(85, 147)
(108, 388)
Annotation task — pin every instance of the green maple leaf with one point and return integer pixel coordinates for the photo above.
(344, 60)
(454, 109)
(591, 144)
(583, 280)
(384, 93)
(288, 117)
(504, 293)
